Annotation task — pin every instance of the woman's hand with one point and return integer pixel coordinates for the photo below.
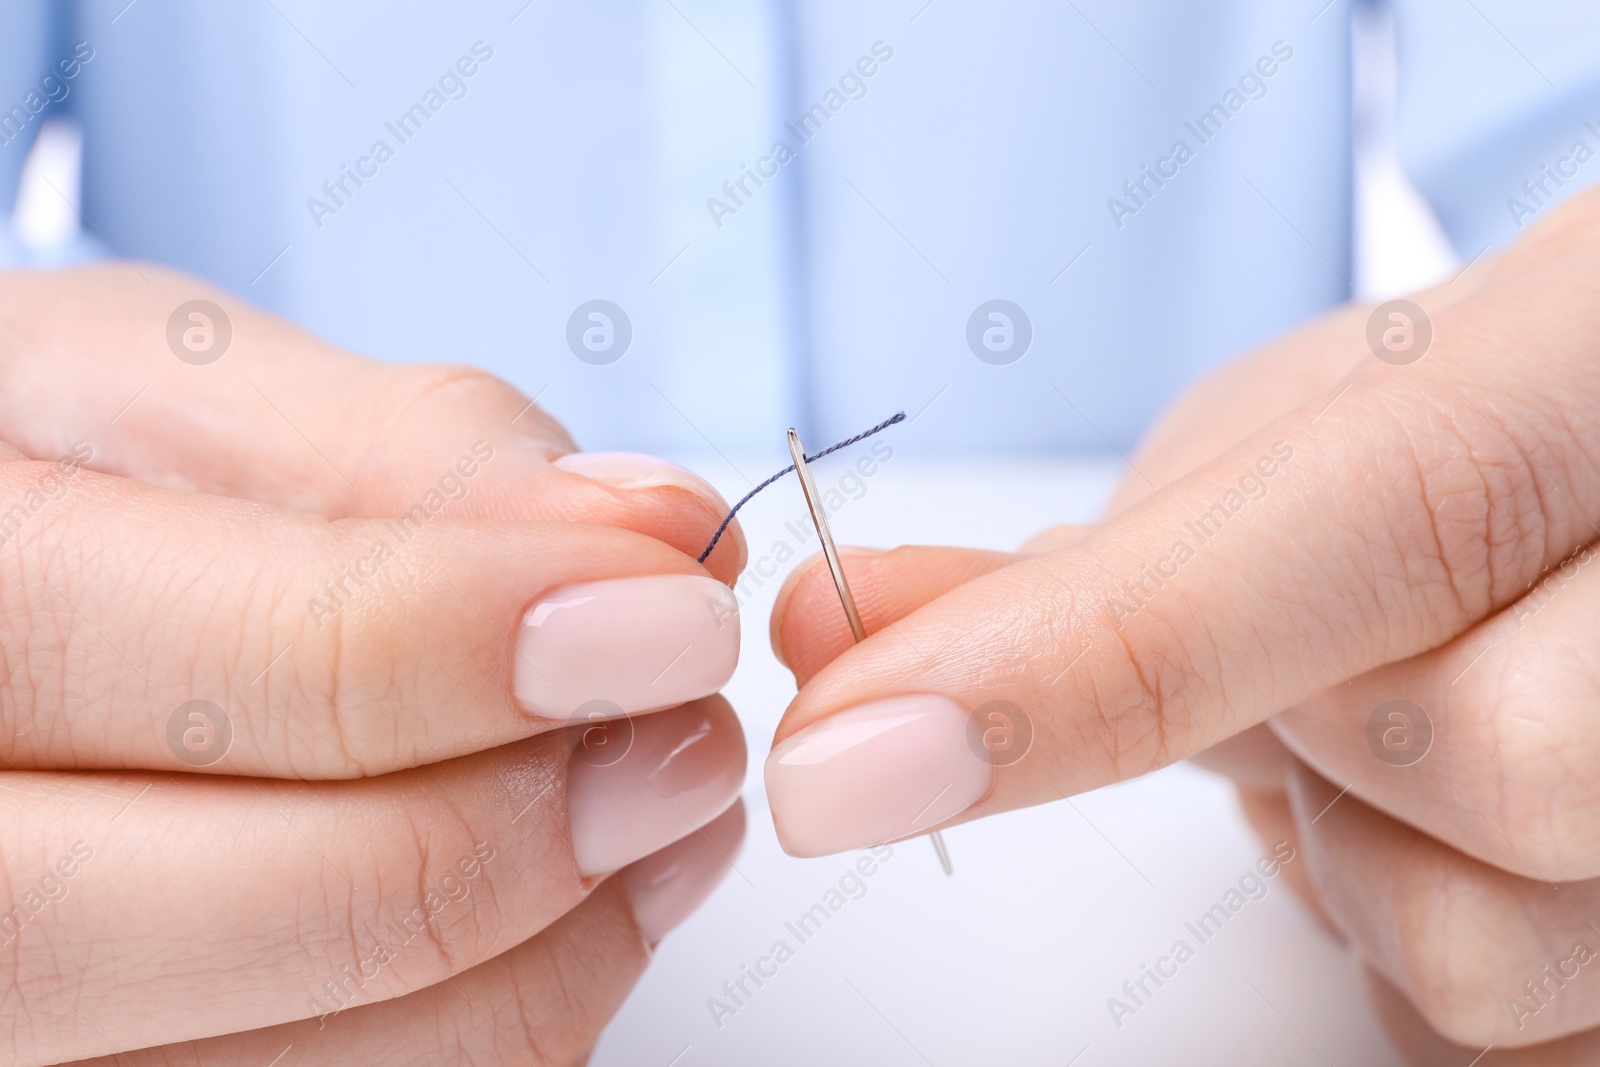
(1395, 551)
(293, 645)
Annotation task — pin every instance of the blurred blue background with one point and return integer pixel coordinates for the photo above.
(996, 152)
(984, 158)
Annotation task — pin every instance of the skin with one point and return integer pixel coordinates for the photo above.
(376, 757)
(1403, 553)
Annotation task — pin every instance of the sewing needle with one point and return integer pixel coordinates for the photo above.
(819, 519)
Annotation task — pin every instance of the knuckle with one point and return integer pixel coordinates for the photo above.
(1463, 512)
(1484, 492)
(1454, 974)
(347, 700)
(442, 388)
(431, 922)
(467, 397)
(1478, 514)
(1137, 704)
(54, 654)
(563, 988)
(1540, 747)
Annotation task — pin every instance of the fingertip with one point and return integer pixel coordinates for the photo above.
(809, 628)
(635, 470)
(653, 781)
(849, 555)
(656, 497)
(666, 888)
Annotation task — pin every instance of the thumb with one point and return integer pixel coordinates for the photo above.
(1375, 522)
(809, 627)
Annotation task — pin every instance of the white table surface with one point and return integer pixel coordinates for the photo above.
(1011, 962)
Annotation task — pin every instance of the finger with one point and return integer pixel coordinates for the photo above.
(809, 628)
(1269, 574)
(669, 886)
(1423, 1046)
(1272, 821)
(327, 650)
(1255, 759)
(545, 1001)
(1487, 957)
(1245, 394)
(1055, 539)
(1259, 766)
(357, 892)
(1488, 742)
(283, 418)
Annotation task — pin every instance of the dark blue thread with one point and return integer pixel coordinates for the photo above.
(899, 416)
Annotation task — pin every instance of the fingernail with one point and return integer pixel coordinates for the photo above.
(666, 888)
(633, 470)
(877, 772)
(654, 780)
(627, 645)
